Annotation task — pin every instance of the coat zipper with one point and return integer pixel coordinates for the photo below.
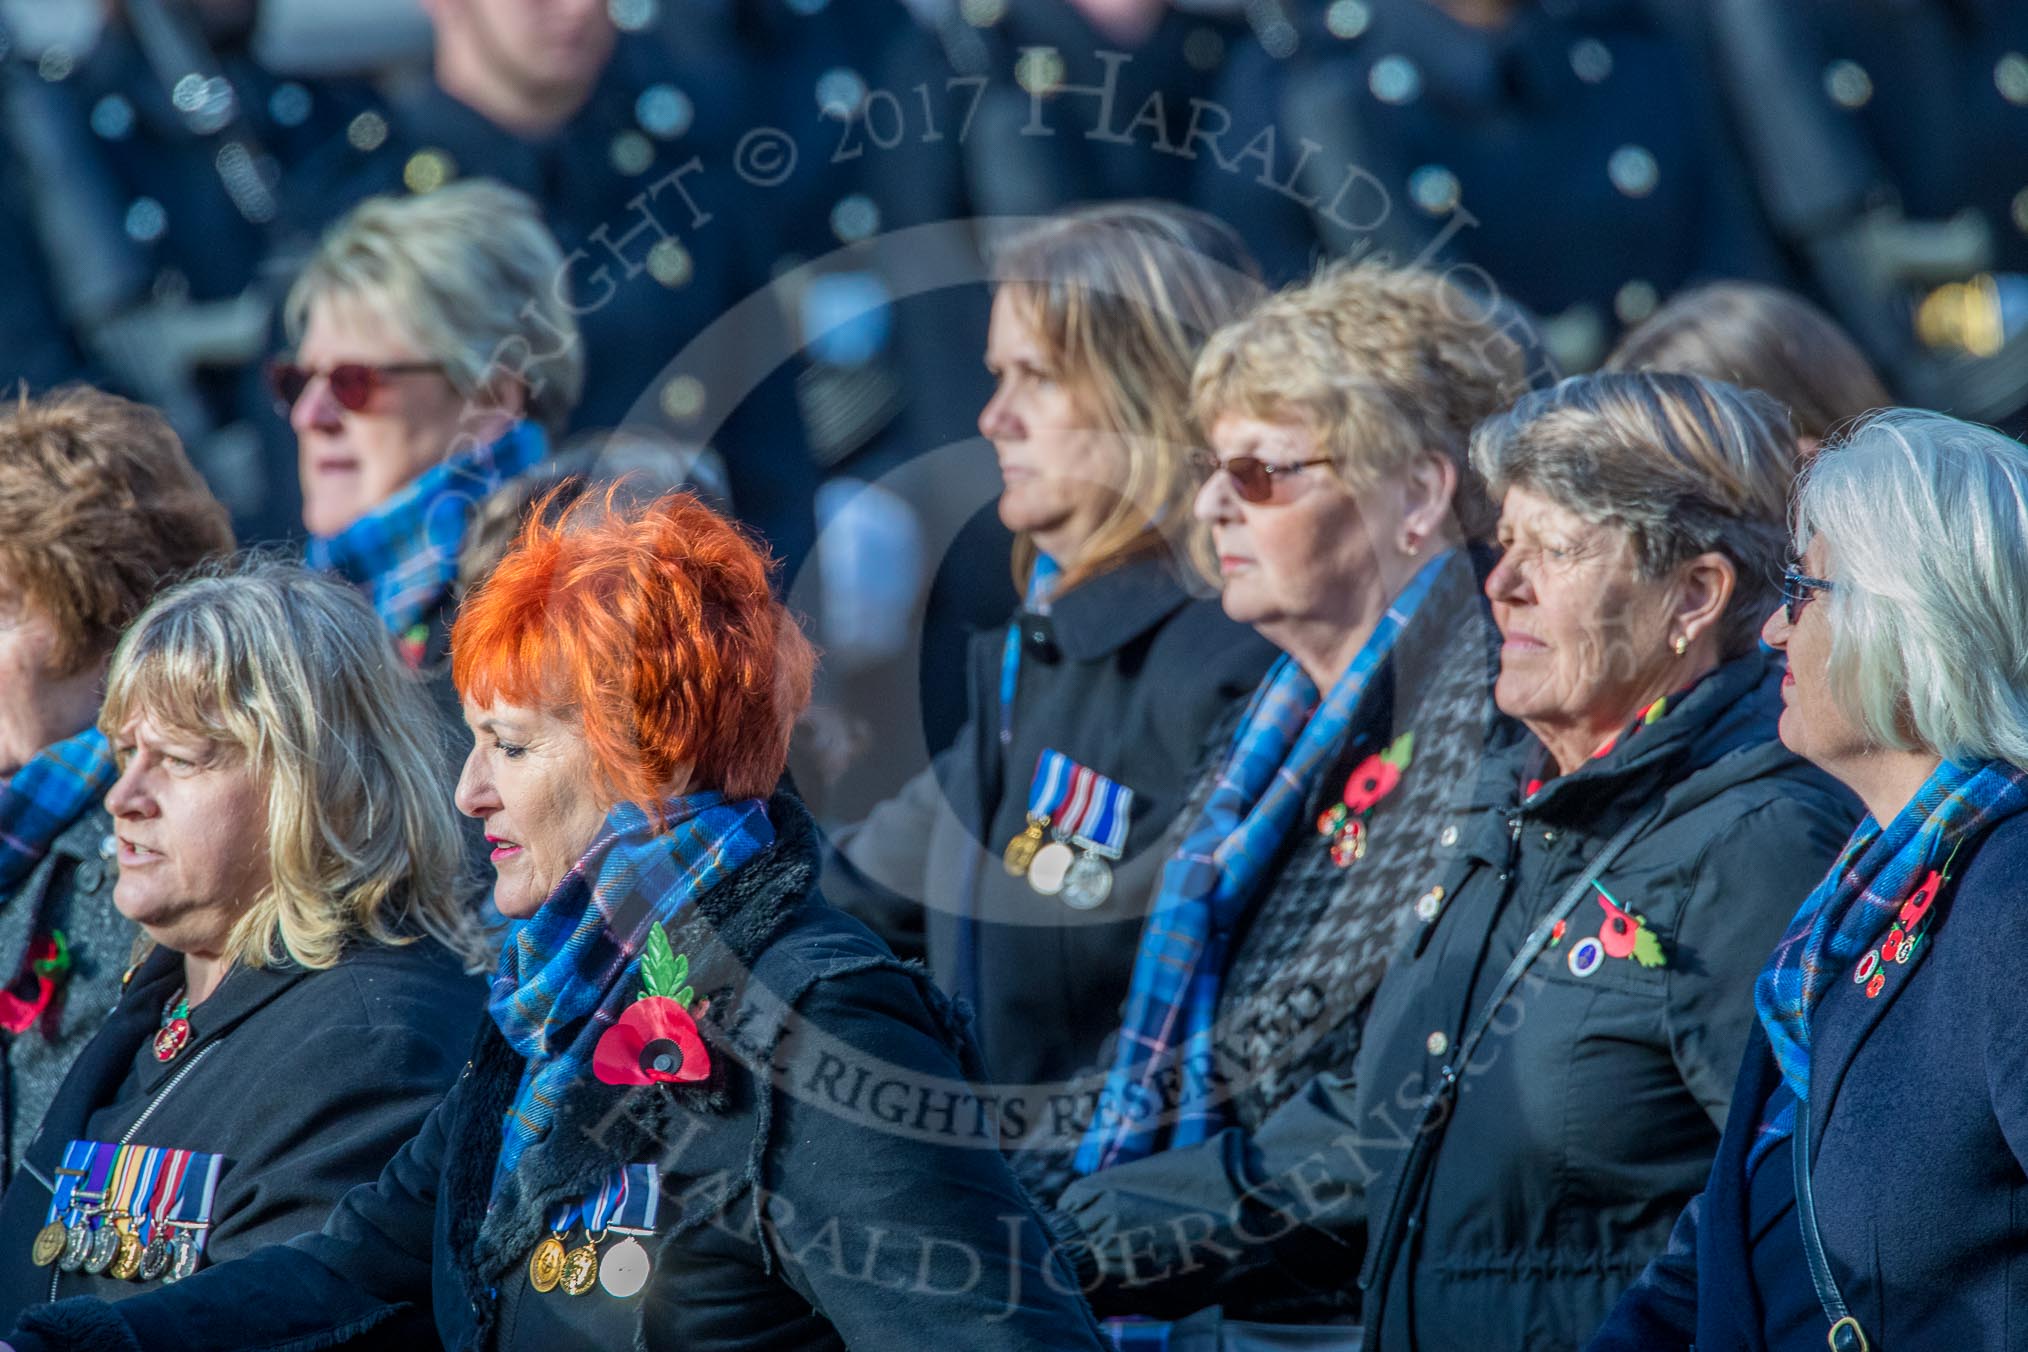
(127, 1137)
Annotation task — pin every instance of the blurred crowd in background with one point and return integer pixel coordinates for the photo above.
(775, 214)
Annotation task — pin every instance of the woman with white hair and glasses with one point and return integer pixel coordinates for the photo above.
(1872, 1183)
(286, 846)
(434, 353)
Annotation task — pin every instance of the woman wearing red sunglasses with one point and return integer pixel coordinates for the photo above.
(432, 353)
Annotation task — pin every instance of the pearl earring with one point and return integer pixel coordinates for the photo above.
(1681, 645)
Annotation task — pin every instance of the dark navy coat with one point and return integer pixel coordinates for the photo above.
(830, 1184)
(1919, 1126)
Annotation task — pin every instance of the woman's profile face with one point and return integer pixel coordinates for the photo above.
(1583, 635)
(191, 818)
(529, 777)
(1062, 473)
(350, 461)
(39, 703)
(1813, 725)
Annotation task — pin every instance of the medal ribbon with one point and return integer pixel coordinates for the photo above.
(1054, 772)
(77, 1163)
(126, 1174)
(611, 1193)
(195, 1192)
(169, 1177)
(1076, 803)
(1103, 827)
(145, 1165)
(640, 1198)
(101, 1167)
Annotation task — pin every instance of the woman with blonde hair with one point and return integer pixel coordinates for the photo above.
(286, 846)
(1020, 860)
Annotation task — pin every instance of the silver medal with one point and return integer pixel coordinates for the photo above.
(185, 1261)
(77, 1246)
(105, 1247)
(1052, 864)
(624, 1270)
(1089, 882)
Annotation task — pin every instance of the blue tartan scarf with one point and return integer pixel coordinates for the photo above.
(45, 796)
(405, 551)
(1280, 750)
(568, 972)
(1858, 902)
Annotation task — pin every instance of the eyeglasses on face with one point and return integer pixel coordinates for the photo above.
(1798, 590)
(1252, 478)
(353, 383)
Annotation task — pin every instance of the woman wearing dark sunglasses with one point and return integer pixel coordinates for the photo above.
(1342, 512)
(1871, 1186)
(432, 354)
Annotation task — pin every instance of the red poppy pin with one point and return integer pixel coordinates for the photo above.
(656, 1041)
(49, 964)
(1626, 935)
(1372, 780)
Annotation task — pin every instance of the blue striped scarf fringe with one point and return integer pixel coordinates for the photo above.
(41, 800)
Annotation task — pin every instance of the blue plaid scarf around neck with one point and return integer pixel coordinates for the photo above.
(41, 800)
(568, 972)
(405, 551)
(1279, 752)
(1858, 902)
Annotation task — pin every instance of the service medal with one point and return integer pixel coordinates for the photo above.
(545, 1265)
(126, 1264)
(104, 1249)
(1020, 851)
(1051, 866)
(155, 1258)
(580, 1269)
(77, 1246)
(49, 1243)
(625, 1270)
(1088, 884)
(185, 1260)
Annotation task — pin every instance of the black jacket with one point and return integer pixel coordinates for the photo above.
(71, 892)
(1125, 675)
(830, 1185)
(1919, 1129)
(307, 1083)
(1316, 938)
(1590, 1113)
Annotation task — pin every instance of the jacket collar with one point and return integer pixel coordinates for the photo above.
(601, 1125)
(1106, 612)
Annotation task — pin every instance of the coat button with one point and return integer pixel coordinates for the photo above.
(1449, 837)
(1438, 1043)
(1429, 904)
(109, 846)
(1549, 837)
(89, 875)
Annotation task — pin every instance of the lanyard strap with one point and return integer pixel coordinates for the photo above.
(1436, 1105)
(1845, 1334)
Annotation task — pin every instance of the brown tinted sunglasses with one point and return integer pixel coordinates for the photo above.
(1253, 479)
(353, 383)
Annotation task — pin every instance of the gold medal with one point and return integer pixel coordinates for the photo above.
(1020, 851)
(126, 1264)
(581, 1269)
(545, 1265)
(49, 1242)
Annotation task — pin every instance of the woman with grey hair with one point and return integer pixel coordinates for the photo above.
(1547, 1062)
(1881, 1136)
(434, 353)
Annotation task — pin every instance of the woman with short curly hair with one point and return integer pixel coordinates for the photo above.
(99, 507)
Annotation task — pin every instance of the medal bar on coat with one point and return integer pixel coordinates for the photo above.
(1052, 862)
(132, 1212)
(626, 1204)
(1046, 792)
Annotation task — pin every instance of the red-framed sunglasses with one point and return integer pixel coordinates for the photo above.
(1253, 479)
(353, 383)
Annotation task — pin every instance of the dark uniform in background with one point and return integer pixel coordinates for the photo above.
(165, 166)
(1575, 153)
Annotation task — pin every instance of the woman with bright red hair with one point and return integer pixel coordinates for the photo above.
(708, 1111)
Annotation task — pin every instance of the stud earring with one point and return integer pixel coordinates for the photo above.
(1681, 645)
